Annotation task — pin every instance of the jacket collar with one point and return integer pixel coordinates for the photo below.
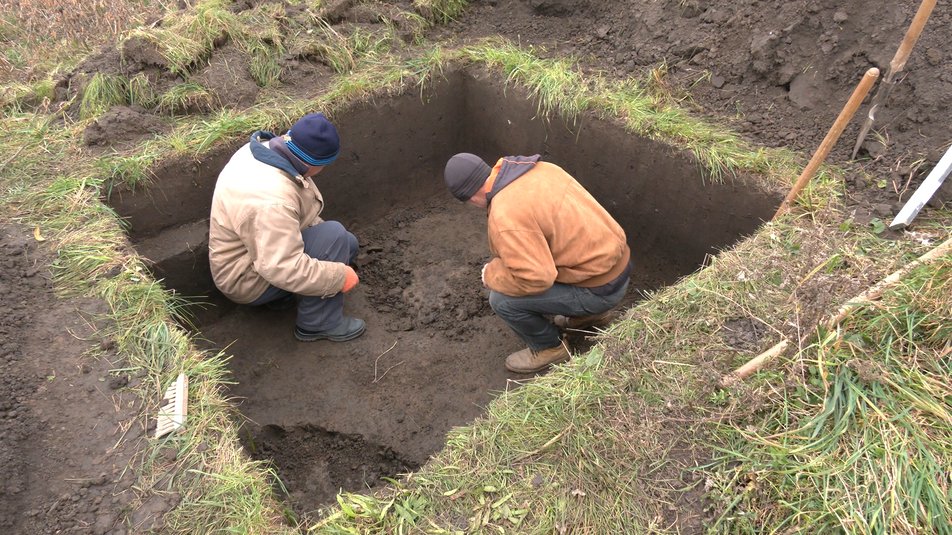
(508, 169)
(265, 155)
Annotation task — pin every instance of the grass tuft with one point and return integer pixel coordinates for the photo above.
(556, 85)
(260, 36)
(101, 93)
(858, 438)
(440, 11)
(187, 38)
(187, 97)
(344, 52)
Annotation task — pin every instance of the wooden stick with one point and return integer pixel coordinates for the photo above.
(862, 89)
(873, 293)
(876, 291)
(755, 364)
(897, 64)
(912, 35)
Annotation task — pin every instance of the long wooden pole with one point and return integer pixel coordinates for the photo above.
(873, 293)
(897, 64)
(862, 89)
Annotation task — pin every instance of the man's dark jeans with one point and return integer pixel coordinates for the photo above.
(325, 241)
(525, 315)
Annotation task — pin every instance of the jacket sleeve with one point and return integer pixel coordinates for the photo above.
(278, 255)
(524, 264)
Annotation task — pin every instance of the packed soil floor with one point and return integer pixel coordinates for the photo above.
(776, 71)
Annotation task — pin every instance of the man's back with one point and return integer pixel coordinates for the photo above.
(547, 228)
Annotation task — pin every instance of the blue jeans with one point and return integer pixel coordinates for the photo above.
(325, 241)
(526, 315)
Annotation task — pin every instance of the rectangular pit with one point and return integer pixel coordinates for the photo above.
(433, 352)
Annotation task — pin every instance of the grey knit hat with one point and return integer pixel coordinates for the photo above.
(465, 173)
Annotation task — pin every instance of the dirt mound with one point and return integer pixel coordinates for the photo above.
(316, 464)
(778, 71)
(123, 126)
(440, 295)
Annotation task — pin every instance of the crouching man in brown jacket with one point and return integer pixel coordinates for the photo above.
(556, 252)
(267, 242)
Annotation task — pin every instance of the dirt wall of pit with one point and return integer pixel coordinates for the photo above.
(663, 198)
(393, 152)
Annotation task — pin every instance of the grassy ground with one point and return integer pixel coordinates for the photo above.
(849, 431)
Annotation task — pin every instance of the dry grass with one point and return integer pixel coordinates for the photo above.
(33, 30)
(587, 448)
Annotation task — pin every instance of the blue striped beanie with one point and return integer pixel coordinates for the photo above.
(314, 140)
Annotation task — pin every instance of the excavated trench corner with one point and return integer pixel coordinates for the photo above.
(334, 416)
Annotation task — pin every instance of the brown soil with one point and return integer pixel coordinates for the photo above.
(778, 71)
(123, 127)
(433, 353)
(68, 425)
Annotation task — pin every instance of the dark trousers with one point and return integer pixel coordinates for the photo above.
(526, 315)
(325, 241)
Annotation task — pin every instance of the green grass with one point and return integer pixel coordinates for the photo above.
(188, 97)
(187, 38)
(859, 439)
(261, 37)
(607, 443)
(343, 52)
(556, 85)
(440, 11)
(101, 93)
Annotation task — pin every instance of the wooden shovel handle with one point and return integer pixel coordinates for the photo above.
(862, 89)
(912, 35)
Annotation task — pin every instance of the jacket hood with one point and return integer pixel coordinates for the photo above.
(511, 168)
(267, 156)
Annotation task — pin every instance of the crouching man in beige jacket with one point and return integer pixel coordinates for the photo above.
(267, 242)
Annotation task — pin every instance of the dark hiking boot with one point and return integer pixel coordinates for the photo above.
(348, 329)
(584, 322)
(529, 361)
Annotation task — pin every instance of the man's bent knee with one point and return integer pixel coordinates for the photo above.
(502, 304)
(329, 240)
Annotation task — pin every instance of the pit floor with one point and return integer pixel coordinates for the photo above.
(431, 359)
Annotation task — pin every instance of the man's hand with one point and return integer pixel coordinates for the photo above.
(350, 279)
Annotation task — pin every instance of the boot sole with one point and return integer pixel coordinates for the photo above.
(567, 325)
(317, 337)
(539, 369)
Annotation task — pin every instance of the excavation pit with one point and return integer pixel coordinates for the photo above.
(343, 415)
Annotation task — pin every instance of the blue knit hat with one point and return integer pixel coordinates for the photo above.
(314, 140)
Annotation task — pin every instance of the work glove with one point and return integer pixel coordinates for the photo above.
(350, 279)
(482, 275)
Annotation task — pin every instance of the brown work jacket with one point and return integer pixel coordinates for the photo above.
(544, 227)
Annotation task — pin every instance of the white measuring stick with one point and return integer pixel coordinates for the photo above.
(925, 192)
